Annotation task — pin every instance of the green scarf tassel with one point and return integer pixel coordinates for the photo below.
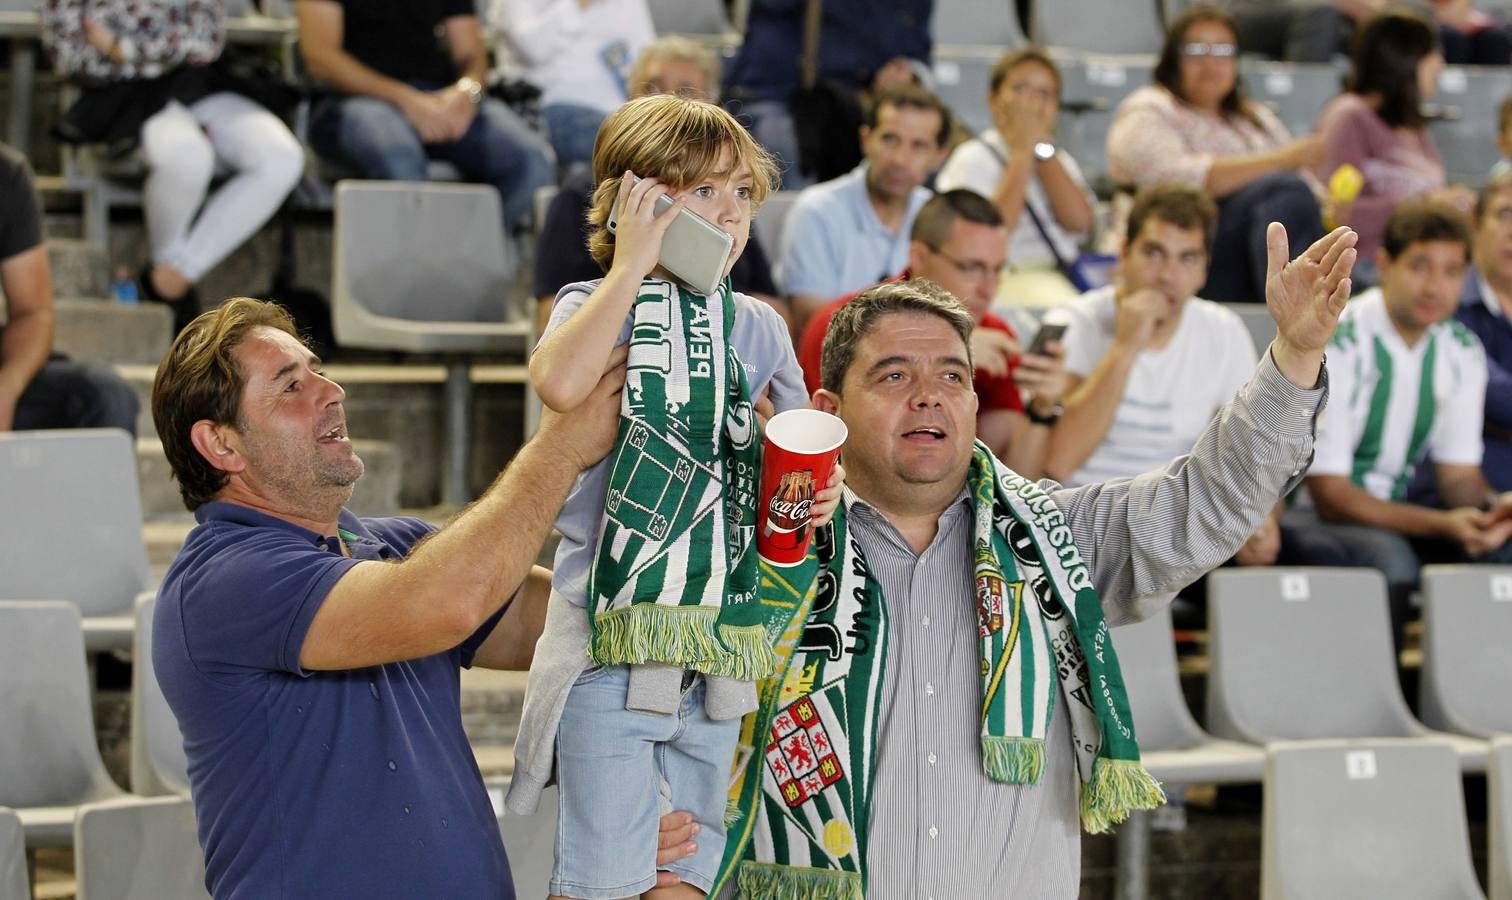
(1013, 760)
(773, 882)
(653, 633)
(1118, 787)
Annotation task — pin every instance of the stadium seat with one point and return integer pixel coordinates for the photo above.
(13, 880)
(769, 221)
(962, 75)
(1092, 86)
(1302, 654)
(1465, 132)
(158, 765)
(530, 842)
(1295, 92)
(1383, 819)
(991, 23)
(1499, 818)
(691, 17)
(1257, 320)
(138, 849)
(425, 268)
(1467, 673)
(71, 497)
(49, 761)
(1122, 26)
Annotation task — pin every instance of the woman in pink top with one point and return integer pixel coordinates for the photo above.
(1194, 126)
(1376, 126)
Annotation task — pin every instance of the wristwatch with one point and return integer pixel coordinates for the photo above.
(1044, 151)
(1037, 419)
(471, 88)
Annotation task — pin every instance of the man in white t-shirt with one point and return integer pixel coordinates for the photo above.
(1407, 381)
(1149, 362)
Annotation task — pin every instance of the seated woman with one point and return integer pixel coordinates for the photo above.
(1194, 126)
(1036, 186)
(149, 83)
(1376, 127)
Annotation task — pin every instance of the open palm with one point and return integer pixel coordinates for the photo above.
(1307, 294)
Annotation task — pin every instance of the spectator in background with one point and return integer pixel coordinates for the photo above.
(1302, 31)
(1408, 382)
(1503, 137)
(39, 388)
(1469, 36)
(397, 97)
(960, 242)
(1486, 309)
(149, 85)
(578, 52)
(1038, 188)
(669, 65)
(852, 232)
(1377, 127)
(1194, 126)
(863, 46)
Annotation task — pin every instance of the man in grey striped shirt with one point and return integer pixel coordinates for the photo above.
(900, 378)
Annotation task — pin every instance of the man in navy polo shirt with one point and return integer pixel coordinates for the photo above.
(311, 657)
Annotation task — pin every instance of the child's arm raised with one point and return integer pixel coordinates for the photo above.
(571, 359)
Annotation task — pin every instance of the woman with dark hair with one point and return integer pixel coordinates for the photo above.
(1194, 126)
(1377, 128)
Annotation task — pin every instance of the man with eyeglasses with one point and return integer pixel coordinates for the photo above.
(960, 242)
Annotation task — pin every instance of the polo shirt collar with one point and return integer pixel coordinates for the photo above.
(351, 528)
(1487, 294)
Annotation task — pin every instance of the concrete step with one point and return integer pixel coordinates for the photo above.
(103, 331)
(402, 404)
(79, 268)
(376, 494)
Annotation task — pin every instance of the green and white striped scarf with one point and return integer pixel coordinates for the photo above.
(800, 800)
(674, 577)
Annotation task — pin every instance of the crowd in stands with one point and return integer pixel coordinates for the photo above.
(1413, 457)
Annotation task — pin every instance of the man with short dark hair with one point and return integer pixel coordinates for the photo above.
(951, 688)
(1486, 309)
(959, 242)
(851, 232)
(40, 388)
(1409, 383)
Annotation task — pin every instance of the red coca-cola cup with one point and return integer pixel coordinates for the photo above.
(799, 451)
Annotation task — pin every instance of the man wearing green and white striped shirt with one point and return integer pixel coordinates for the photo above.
(1409, 383)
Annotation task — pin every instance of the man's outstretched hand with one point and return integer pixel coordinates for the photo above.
(1306, 297)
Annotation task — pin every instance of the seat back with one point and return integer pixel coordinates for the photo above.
(1499, 816)
(529, 842)
(1467, 672)
(413, 257)
(1295, 92)
(689, 17)
(71, 496)
(962, 76)
(1092, 87)
(138, 849)
(1466, 137)
(1147, 658)
(1257, 321)
(158, 764)
(1302, 653)
(1378, 819)
(13, 881)
(1122, 26)
(770, 220)
(48, 754)
(992, 23)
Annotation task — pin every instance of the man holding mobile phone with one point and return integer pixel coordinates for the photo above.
(960, 242)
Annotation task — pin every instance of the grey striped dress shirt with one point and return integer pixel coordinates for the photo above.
(939, 828)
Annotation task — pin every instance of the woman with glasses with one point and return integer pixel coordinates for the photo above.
(1194, 126)
(1376, 130)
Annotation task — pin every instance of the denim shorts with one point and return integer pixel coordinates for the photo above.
(619, 771)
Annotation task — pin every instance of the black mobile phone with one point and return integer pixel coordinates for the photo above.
(1050, 331)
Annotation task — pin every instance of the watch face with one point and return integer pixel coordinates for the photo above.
(1044, 150)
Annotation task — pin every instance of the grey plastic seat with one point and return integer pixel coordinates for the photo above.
(1467, 672)
(158, 765)
(530, 842)
(138, 849)
(992, 23)
(13, 881)
(49, 761)
(1092, 87)
(962, 76)
(425, 268)
(1172, 746)
(1383, 819)
(1306, 653)
(71, 496)
(1257, 320)
(770, 219)
(1499, 816)
(1122, 26)
(1295, 92)
(1466, 134)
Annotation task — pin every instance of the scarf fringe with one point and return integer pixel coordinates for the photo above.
(1013, 760)
(767, 881)
(682, 636)
(1118, 787)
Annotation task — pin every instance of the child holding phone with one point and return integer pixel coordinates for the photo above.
(656, 570)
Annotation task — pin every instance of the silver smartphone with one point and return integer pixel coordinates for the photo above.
(693, 250)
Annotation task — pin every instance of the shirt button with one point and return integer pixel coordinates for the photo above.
(931, 757)
(929, 688)
(933, 832)
(924, 622)
(1307, 410)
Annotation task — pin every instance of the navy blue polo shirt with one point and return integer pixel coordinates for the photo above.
(357, 783)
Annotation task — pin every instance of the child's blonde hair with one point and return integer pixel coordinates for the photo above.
(675, 140)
